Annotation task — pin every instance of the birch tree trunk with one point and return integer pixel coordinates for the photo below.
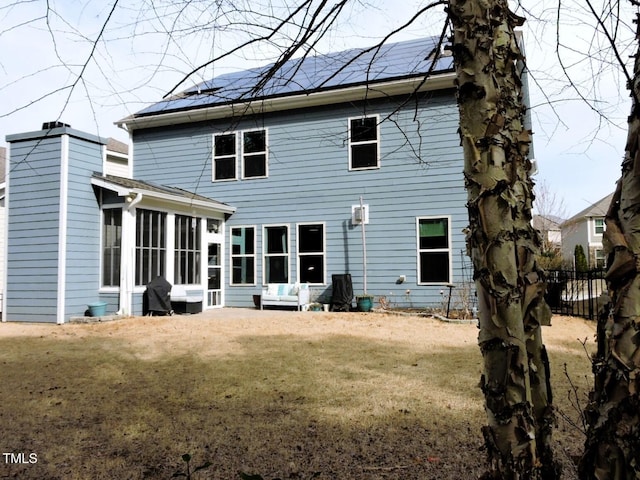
(502, 242)
(612, 448)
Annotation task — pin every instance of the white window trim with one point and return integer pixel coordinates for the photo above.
(266, 152)
(376, 141)
(235, 157)
(449, 249)
(264, 253)
(595, 230)
(324, 251)
(254, 255)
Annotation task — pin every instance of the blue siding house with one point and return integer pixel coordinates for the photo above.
(294, 155)
(239, 182)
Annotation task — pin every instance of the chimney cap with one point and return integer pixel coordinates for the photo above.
(52, 125)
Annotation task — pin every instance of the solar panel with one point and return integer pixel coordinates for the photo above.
(312, 73)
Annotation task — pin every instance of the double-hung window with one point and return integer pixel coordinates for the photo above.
(243, 255)
(111, 245)
(311, 253)
(599, 227)
(151, 245)
(363, 143)
(224, 157)
(254, 153)
(434, 250)
(276, 254)
(187, 250)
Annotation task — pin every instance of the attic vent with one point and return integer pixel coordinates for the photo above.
(445, 51)
(202, 91)
(52, 125)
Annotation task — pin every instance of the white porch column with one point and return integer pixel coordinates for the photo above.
(128, 254)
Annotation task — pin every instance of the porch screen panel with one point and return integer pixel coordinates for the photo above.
(111, 245)
(151, 245)
(187, 250)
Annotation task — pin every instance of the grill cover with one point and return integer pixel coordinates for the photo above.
(342, 295)
(158, 296)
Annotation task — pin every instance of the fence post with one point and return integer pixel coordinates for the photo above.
(590, 277)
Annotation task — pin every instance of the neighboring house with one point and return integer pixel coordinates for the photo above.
(549, 228)
(237, 183)
(117, 161)
(586, 229)
(3, 161)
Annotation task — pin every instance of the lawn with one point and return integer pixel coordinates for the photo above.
(282, 394)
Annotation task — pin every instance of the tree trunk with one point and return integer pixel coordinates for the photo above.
(612, 448)
(501, 241)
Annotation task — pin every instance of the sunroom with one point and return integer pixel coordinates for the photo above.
(150, 231)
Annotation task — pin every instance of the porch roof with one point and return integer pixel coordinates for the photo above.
(128, 186)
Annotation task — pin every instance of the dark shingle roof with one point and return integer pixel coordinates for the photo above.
(177, 193)
(597, 209)
(393, 61)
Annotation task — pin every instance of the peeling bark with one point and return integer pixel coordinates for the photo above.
(612, 448)
(501, 241)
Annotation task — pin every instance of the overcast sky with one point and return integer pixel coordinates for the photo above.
(578, 148)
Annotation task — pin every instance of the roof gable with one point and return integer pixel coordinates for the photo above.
(597, 209)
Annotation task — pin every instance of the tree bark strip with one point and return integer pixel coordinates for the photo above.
(501, 241)
(612, 448)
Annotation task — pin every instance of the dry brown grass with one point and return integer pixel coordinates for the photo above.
(283, 394)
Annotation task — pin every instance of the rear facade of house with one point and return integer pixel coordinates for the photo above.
(230, 188)
(296, 180)
(296, 162)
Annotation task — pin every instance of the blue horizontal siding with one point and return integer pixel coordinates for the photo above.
(35, 188)
(309, 181)
(32, 234)
(83, 227)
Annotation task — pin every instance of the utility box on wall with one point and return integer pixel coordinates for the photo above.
(360, 215)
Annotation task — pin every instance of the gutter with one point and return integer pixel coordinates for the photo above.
(261, 106)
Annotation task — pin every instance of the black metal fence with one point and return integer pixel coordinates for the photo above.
(570, 292)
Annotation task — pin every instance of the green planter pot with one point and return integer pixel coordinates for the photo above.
(365, 304)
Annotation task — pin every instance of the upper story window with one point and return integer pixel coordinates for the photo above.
(254, 154)
(224, 157)
(599, 226)
(363, 143)
(251, 146)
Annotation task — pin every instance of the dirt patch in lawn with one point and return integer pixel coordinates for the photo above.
(283, 394)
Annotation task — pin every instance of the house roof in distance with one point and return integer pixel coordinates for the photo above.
(376, 69)
(597, 209)
(117, 146)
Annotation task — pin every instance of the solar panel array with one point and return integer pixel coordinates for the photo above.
(309, 74)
